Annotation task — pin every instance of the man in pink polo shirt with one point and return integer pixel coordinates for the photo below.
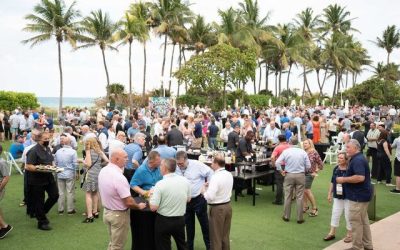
(278, 176)
(116, 198)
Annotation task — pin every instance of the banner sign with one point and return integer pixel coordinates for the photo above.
(160, 104)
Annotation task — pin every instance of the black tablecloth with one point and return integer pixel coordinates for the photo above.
(142, 228)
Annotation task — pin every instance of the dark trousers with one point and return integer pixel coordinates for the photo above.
(375, 162)
(197, 207)
(279, 187)
(165, 227)
(42, 207)
(7, 133)
(384, 169)
(142, 230)
(331, 134)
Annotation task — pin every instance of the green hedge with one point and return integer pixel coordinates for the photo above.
(10, 100)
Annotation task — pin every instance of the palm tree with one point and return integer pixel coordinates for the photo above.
(201, 35)
(390, 40)
(336, 19)
(307, 28)
(141, 12)
(166, 14)
(99, 31)
(53, 19)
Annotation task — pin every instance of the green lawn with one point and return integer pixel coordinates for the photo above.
(259, 227)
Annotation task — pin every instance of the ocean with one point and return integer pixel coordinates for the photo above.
(52, 102)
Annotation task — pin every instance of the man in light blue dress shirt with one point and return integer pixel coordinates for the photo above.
(197, 173)
(296, 165)
(164, 151)
(66, 158)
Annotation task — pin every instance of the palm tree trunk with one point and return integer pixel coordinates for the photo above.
(224, 94)
(108, 78)
(163, 65)
(170, 67)
(254, 85)
(387, 60)
(347, 78)
(306, 81)
(259, 80)
(180, 65)
(130, 76)
(184, 60)
(334, 87)
(319, 83)
(287, 82)
(276, 83)
(266, 76)
(60, 104)
(280, 82)
(144, 69)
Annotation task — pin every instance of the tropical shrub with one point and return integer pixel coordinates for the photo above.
(10, 100)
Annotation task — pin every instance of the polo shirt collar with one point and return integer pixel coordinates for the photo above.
(149, 169)
(169, 175)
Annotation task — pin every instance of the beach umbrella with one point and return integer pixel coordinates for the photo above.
(341, 102)
(317, 103)
(293, 103)
(323, 102)
(270, 102)
(346, 105)
(301, 102)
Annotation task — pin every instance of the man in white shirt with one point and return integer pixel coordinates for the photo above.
(14, 122)
(372, 137)
(271, 133)
(218, 195)
(158, 129)
(225, 132)
(118, 143)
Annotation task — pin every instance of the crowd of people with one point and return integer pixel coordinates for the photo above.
(132, 168)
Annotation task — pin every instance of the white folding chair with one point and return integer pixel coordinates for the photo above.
(12, 163)
(334, 140)
(331, 154)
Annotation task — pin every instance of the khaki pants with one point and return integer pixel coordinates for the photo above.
(220, 217)
(66, 187)
(360, 225)
(294, 185)
(118, 227)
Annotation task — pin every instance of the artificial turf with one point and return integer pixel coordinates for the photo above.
(253, 227)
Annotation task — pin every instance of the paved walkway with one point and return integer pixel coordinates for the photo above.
(385, 235)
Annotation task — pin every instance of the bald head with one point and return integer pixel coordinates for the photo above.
(119, 157)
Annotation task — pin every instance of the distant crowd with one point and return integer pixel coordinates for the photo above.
(141, 145)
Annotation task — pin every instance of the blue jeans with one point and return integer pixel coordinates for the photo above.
(212, 142)
(197, 206)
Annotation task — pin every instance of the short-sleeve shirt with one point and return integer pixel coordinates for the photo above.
(134, 152)
(113, 187)
(279, 149)
(233, 139)
(244, 147)
(146, 178)
(171, 195)
(338, 173)
(39, 155)
(359, 192)
(4, 169)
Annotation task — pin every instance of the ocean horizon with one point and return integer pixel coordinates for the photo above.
(52, 102)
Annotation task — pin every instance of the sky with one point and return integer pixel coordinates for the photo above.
(35, 69)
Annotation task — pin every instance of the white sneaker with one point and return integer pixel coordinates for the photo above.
(390, 185)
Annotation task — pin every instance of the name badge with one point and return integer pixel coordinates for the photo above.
(339, 189)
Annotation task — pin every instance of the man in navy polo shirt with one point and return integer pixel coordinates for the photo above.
(359, 192)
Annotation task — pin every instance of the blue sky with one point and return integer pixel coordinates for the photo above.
(36, 70)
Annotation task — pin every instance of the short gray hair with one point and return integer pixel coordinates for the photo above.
(294, 140)
(138, 135)
(170, 164)
(355, 143)
(181, 155)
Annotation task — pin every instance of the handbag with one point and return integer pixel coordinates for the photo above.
(86, 172)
